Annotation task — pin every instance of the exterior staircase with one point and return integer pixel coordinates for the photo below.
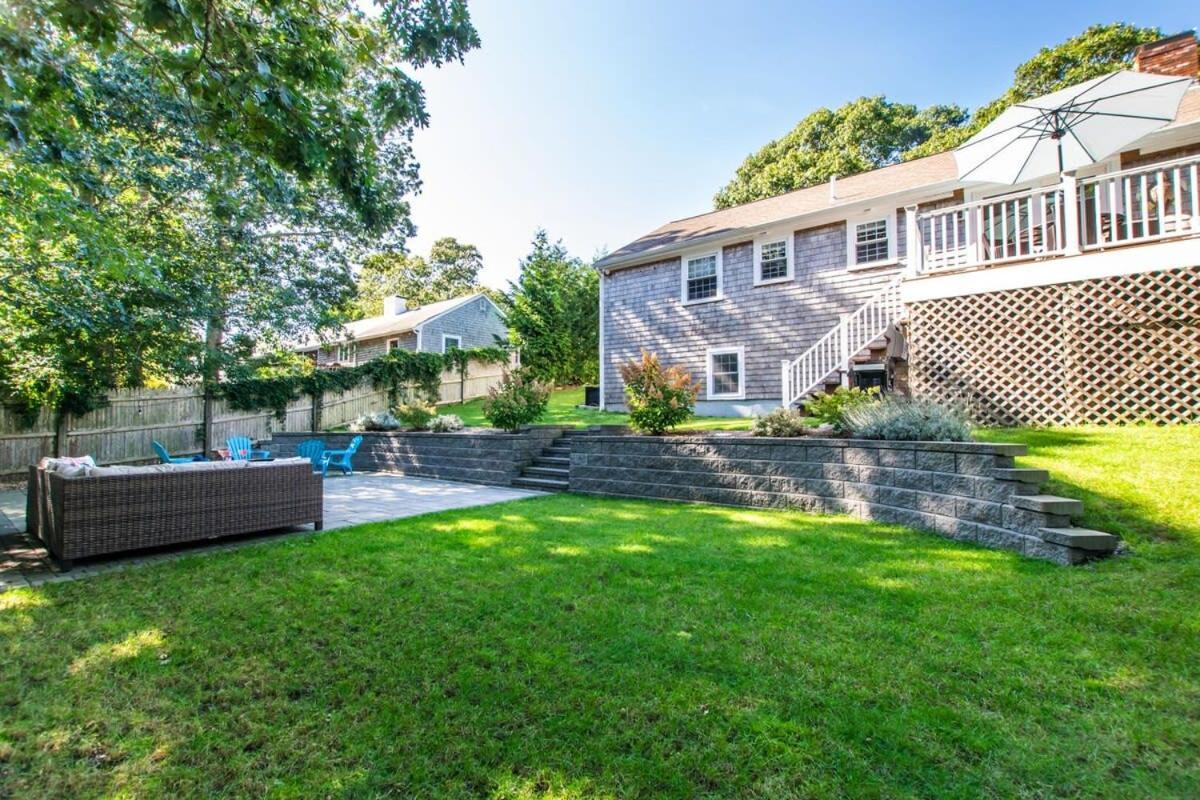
(550, 471)
(858, 337)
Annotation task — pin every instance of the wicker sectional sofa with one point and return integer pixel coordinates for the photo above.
(110, 510)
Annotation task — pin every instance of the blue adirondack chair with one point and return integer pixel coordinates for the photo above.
(314, 451)
(167, 458)
(242, 449)
(340, 458)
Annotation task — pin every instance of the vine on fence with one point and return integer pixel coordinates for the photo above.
(390, 373)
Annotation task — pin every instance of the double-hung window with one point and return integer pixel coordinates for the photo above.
(702, 277)
(872, 242)
(451, 343)
(726, 373)
(772, 258)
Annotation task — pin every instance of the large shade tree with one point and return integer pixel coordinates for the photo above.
(873, 132)
(451, 270)
(181, 177)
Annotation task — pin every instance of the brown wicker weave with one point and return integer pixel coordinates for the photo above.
(90, 516)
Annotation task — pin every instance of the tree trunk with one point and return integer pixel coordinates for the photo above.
(62, 433)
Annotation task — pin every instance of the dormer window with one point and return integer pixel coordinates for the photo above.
(702, 279)
(773, 259)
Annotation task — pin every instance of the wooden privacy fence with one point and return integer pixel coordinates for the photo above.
(121, 431)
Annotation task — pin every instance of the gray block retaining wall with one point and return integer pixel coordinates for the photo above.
(968, 491)
(486, 457)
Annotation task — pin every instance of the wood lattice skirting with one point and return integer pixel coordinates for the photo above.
(1104, 351)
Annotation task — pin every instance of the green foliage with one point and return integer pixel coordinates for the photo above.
(393, 372)
(173, 167)
(830, 408)
(519, 399)
(658, 399)
(377, 421)
(416, 415)
(873, 132)
(452, 270)
(783, 422)
(899, 419)
(1097, 51)
(861, 135)
(553, 314)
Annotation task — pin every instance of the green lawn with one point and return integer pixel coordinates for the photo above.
(566, 648)
(564, 410)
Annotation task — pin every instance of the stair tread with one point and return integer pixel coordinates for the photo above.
(1048, 504)
(538, 469)
(1081, 538)
(540, 483)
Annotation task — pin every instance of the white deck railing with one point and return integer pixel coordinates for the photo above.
(834, 350)
(1137, 205)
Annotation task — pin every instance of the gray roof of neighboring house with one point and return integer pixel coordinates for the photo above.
(938, 169)
(376, 327)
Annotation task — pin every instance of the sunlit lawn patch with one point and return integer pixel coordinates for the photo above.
(571, 647)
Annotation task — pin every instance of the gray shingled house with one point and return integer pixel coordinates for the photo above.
(464, 322)
(1042, 302)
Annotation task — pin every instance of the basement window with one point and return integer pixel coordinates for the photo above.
(726, 373)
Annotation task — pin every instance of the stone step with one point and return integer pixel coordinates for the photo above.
(557, 452)
(537, 471)
(541, 484)
(1022, 475)
(1081, 539)
(552, 461)
(1048, 504)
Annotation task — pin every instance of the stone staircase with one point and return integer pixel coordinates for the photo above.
(550, 471)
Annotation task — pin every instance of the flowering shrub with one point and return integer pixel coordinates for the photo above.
(659, 399)
(416, 416)
(902, 420)
(379, 421)
(446, 423)
(831, 408)
(783, 422)
(518, 400)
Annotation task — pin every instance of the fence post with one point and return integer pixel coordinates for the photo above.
(61, 434)
(318, 400)
(206, 426)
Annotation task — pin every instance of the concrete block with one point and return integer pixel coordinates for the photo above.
(1049, 504)
(979, 511)
(1081, 539)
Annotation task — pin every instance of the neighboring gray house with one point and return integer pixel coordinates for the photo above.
(463, 322)
(1035, 303)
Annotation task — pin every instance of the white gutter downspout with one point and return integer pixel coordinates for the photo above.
(603, 275)
(419, 329)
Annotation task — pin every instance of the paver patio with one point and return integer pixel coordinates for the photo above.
(349, 500)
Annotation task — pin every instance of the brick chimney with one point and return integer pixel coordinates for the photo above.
(1175, 55)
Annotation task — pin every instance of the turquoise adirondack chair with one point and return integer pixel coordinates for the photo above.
(167, 458)
(314, 451)
(340, 458)
(242, 449)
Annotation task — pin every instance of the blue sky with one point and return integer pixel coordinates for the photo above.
(601, 120)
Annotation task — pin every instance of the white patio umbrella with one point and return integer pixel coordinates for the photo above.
(1070, 128)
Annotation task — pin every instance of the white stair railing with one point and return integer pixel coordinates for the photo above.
(833, 351)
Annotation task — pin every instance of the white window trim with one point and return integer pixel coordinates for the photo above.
(392, 344)
(351, 349)
(789, 238)
(446, 336)
(683, 264)
(852, 239)
(708, 360)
